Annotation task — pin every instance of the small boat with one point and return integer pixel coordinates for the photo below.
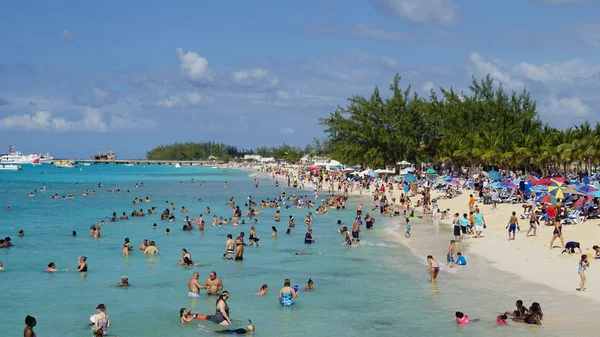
(10, 167)
(128, 165)
(64, 164)
(86, 164)
(215, 167)
(177, 165)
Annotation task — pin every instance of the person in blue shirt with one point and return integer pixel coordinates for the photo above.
(308, 238)
(460, 260)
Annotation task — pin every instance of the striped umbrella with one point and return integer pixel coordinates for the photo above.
(546, 199)
(559, 190)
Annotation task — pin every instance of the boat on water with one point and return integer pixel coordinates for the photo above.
(109, 155)
(64, 164)
(86, 164)
(10, 167)
(128, 165)
(17, 158)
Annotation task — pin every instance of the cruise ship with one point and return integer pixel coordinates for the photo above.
(17, 158)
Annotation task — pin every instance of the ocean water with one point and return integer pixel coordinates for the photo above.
(380, 288)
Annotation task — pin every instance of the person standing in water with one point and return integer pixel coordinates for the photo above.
(221, 315)
(287, 294)
(229, 247)
(407, 235)
(434, 268)
(101, 319)
(194, 286)
(213, 284)
(30, 322)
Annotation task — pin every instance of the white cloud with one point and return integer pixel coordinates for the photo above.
(428, 86)
(377, 33)
(95, 97)
(193, 66)
(92, 120)
(66, 34)
(389, 62)
(287, 131)
(183, 101)
(568, 72)
(567, 106)
(257, 78)
(480, 67)
(441, 11)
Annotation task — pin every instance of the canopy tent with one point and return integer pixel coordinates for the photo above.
(384, 171)
(404, 162)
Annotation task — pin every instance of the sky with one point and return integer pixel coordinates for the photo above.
(76, 75)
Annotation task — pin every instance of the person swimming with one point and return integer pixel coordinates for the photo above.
(501, 319)
(464, 319)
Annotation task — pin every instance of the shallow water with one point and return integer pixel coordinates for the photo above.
(380, 288)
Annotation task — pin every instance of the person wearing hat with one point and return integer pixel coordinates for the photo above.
(124, 282)
(101, 319)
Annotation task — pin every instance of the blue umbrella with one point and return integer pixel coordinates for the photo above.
(410, 178)
(372, 173)
(494, 175)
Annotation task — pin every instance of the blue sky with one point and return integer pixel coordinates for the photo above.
(75, 75)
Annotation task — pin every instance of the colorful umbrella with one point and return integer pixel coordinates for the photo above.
(579, 202)
(503, 184)
(559, 179)
(546, 199)
(558, 190)
(494, 175)
(431, 170)
(453, 182)
(529, 177)
(587, 189)
(544, 182)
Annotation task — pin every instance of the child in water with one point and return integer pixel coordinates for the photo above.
(464, 319)
(407, 235)
(310, 285)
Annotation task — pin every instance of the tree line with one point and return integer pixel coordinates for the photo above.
(487, 126)
(224, 152)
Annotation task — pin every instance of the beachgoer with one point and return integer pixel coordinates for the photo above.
(221, 315)
(407, 234)
(501, 319)
(310, 285)
(434, 268)
(584, 264)
(450, 255)
(533, 223)
(30, 322)
(460, 259)
(308, 238)
(456, 222)
(263, 290)
(239, 244)
(520, 311)
(513, 224)
(124, 282)
(570, 247)
(239, 331)
(596, 249)
(194, 286)
(287, 294)
(82, 264)
(471, 202)
(557, 234)
(213, 284)
(101, 319)
(464, 319)
(479, 221)
(274, 233)
(186, 316)
(1, 266)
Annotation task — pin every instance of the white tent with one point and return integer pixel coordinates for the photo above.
(384, 171)
(404, 162)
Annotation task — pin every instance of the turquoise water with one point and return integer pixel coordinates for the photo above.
(377, 289)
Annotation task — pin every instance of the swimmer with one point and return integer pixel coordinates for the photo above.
(52, 268)
(238, 331)
(144, 245)
(189, 263)
(151, 249)
(74, 233)
(167, 231)
(229, 247)
(186, 316)
(310, 285)
(263, 290)
(464, 319)
(274, 233)
(1, 266)
(501, 319)
(124, 282)
(519, 312)
(221, 315)
(101, 319)
(30, 322)
(82, 267)
(21, 233)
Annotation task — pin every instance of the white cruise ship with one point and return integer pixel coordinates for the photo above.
(17, 158)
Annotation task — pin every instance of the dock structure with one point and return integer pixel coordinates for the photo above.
(151, 162)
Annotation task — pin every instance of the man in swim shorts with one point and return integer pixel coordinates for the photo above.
(194, 286)
(450, 254)
(229, 247)
(513, 224)
(213, 284)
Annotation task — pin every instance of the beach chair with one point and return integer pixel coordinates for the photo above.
(573, 218)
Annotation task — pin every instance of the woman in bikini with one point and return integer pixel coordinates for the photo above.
(434, 268)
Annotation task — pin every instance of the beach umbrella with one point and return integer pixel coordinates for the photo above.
(503, 184)
(453, 182)
(586, 189)
(529, 177)
(494, 175)
(431, 170)
(558, 190)
(579, 202)
(544, 182)
(372, 173)
(410, 178)
(559, 179)
(546, 199)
